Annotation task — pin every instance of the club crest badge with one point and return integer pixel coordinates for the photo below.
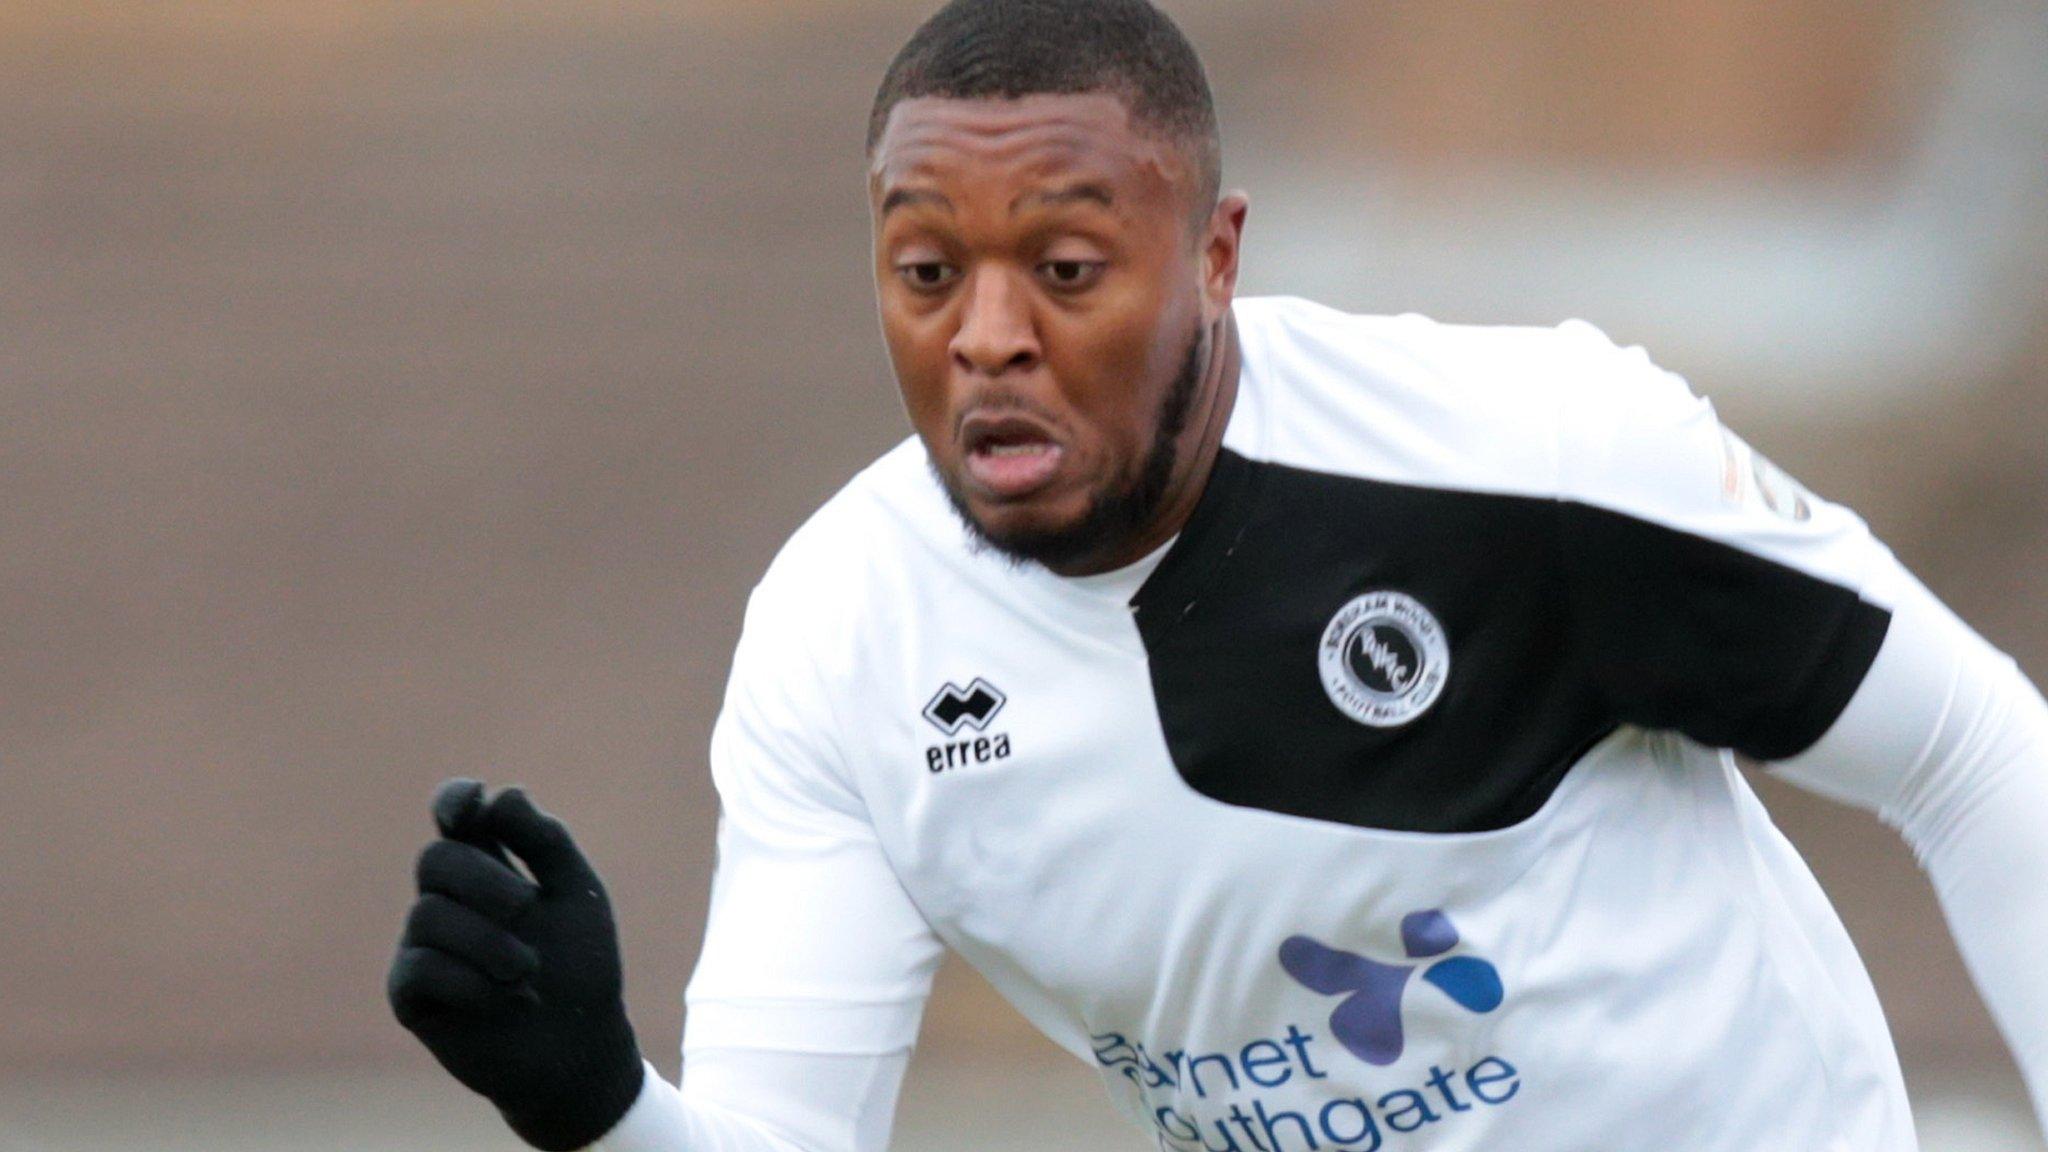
(1384, 659)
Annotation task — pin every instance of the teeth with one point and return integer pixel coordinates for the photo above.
(1015, 449)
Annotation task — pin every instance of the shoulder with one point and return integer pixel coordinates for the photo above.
(890, 509)
(1561, 413)
(858, 568)
(1406, 399)
(830, 585)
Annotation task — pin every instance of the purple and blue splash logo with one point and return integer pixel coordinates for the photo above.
(1368, 1021)
(1281, 1092)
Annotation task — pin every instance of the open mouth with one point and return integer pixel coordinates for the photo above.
(1010, 457)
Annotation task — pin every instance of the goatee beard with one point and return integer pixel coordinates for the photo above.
(1116, 515)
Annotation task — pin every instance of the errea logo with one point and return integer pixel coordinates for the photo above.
(954, 708)
(973, 707)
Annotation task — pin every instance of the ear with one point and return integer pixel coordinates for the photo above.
(1222, 242)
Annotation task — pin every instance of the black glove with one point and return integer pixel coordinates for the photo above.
(515, 986)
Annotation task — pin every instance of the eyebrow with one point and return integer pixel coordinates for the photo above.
(1072, 194)
(906, 197)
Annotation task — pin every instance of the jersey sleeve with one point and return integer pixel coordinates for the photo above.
(812, 944)
(1947, 742)
(1708, 592)
(816, 965)
(1719, 598)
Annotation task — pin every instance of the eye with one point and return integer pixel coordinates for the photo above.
(927, 275)
(1070, 275)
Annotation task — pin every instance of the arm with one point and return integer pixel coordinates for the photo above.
(1725, 602)
(1948, 742)
(741, 1100)
(806, 1000)
(514, 985)
(805, 1004)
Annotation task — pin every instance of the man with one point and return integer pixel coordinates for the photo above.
(1319, 724)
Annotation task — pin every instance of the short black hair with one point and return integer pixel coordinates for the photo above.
(1007, 49)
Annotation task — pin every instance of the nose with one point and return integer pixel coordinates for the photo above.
(996, 333)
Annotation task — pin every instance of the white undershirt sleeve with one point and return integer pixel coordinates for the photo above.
(743, 1100)
(1948, 742)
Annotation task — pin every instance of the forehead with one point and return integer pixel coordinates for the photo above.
(1030, 140)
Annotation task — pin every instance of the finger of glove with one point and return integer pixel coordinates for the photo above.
(541, 841)
(458, 807)
(462, 932)
(426, 982)
(468, 875)
(456, 804)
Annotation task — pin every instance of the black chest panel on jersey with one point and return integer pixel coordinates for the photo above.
(1562, 623)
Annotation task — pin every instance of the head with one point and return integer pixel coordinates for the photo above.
(1054, 267)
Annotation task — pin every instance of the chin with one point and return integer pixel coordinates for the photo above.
(1025, 521)
(1068, 526)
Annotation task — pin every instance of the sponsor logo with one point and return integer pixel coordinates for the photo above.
(1384, 659)
(1277, 1094)
(1288, 1091)
(974, 707)
(1367, 1022)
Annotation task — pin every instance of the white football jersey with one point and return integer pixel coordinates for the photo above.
(1389, 807)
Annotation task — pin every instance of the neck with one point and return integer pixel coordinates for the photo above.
(1195, 451)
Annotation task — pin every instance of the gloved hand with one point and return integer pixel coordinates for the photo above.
(515, 984)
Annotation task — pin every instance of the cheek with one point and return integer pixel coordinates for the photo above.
(920, 363)
(1120, 367)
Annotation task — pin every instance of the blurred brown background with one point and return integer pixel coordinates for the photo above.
(394, 391)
